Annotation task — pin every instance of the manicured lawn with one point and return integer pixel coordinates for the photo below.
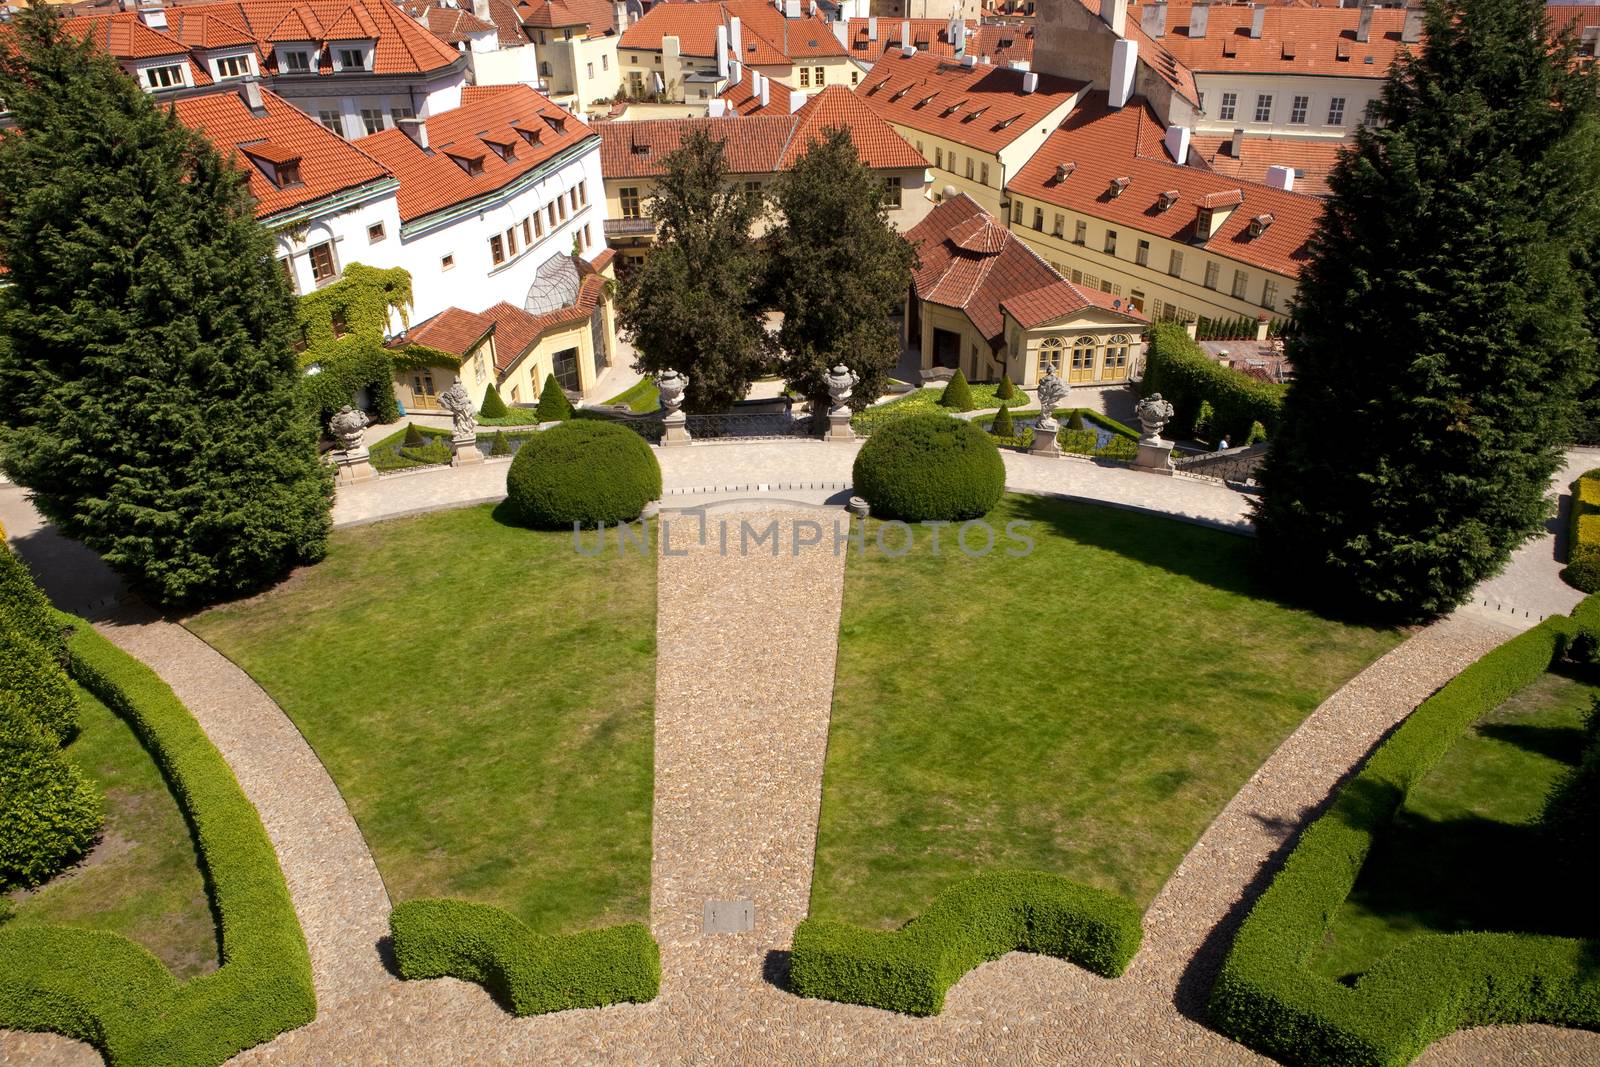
(512, 417)
(143, 880)
(390, 454)
(642, 398)
(1120, 443)
(483, 697)
(925, 400)
(1464, 852)
(1087, 709)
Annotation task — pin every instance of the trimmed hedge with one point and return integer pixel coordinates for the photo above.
(1583, 535)
(526, 972)
(493, 407)
(930, 467)
(50, 814)
(1183, 374)
(553, 403)
(1435, 983)
(909, 970)
(957, 395)
(585, 472)
(104, 989)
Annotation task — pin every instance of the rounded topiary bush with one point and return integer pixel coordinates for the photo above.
(930, 467)
(584, 472)
(1583, 573)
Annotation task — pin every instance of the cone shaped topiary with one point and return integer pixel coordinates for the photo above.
(414, 438)
(1075, 420)
(1007, 391)
(930, 467)
(957, 396)
(1002, 423)
(553, 403)
(499, 446)
(492, 407)
(585, 472)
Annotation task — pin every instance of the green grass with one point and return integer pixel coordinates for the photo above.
(143, 879)
(389, 455)
(1089, 721)
(512, 417)
(1463, 853)
(483, 697)
(642, 398)
(1123, 445)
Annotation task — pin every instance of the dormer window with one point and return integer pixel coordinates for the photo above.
(1115, 189)
(1259, 224)
(239, 66)
(288, 173)
(1203, 224)
(294, 60)
(165, 77)
(280, 165)
(1165, 201)
(473, 165)
(557, 123)
(1003, 123)
(506, 150)
(532, 136)
(1064, 171)
(898, 93)
(350, 57)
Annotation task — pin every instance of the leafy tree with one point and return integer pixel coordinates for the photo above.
(553, 403)
(493, 407)
(694, 305)
(838, 270)
(1440, 339)
(957, 393)
(145, 368)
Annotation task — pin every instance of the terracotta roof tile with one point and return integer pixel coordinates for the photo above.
(1000, 44)
(1322, 40)
(452, 330)
(296, 26)
(745, 100)
(126, 36)
(597, 15)
(1312, 161)
(769, 38)
(207, 31)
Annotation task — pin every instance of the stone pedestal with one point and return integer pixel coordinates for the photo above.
(353, 466)
(1155, 455)
(839, 426)
(464, 451)
(677, 429)
(1044, 438)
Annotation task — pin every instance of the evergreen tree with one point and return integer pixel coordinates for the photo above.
(694, 305)
(838, 270)
(957, 393)
(1003, 425)
(413, 437)
(1440, 338)
(1075, 420)
(1007, 390)
(553, 403)
(145, 366)
(493, 407)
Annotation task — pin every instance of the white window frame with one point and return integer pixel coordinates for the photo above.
(1263, 107)
(1336, 111)
(149, 79)
(343, 52)
(1229, 108)
(1298, 107)
(241, 65)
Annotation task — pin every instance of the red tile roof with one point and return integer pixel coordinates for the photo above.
(758, 144)
(328, 163)
(597, 15)
(745, 100)
(769, 38)
(1104, 144)
(1000, 44)
(1312, 161)
(971, 262)
(296, 27)
(429, 182)
(980, 106)
(1320, 40)
(206, 31)
(453, 25)
(126, 36)
(452, 330)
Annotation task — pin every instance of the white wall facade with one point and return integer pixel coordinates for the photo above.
(1320, 93)
(346, 226)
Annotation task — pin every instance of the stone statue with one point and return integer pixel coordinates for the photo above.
(463, 414)
(672, 386)
(346, 426)
(1153, 413)
(1052, 391)
(841, 380)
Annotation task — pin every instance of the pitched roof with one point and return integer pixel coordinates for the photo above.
(980, 106)
(745, 100)
(769, 38)
(429, 182)
(453, 25)
(208, 31)
(353, 24)
(297, 25)
(597, 15)
(1294, 40)
(999, 44)
(758, 144)
(126, 36)
(328, 163)
(1311, 161)
(1106, 144)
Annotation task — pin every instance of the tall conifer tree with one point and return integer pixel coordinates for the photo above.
(1442, 336)
(146, 376)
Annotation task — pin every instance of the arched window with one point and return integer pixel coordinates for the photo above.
(1082, 369)
(1115, 367)
(1050, 350)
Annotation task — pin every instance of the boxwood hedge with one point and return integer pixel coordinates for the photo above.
(104, 989)
(1583, 534)
(1183, 374)
(930, 467)
(909, 970)
(1264, 995)
(528, 973)
(584, 472)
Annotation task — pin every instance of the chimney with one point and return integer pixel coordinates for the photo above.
(1411, 32)
(480, 9)
(1236, 145)
(1124, 61)
(1364, 26)
(1280, 177)
(872, 27)
(1258, 19)
(905, 33)
(250, 92)
(619, 14)
(797, 100)
(671, 49)
(722, 47)
(1152, 19)
(766, 92)
(791, 9)
(841, 31)
(1114, 13)
(715, 109)
(1177, 142)
(1199, 15)
(908, 51)
(1020, 64)
(1030, 82)
(417, 130)
(153, 15)
(736, 37)
(735, 72)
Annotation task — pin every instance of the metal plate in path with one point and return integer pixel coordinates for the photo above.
(729, 917)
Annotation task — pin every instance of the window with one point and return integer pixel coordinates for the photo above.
(1175, 264)
(233, 66)
(511, 241)
(1269, 294)
(1059, 229)
(972, 168)
(920, 152)
(331, 120)
(1263, 107)
(805, 77)
(288, 273)
(516, 394)
(1240, 280)
(561, 203)
(352, 59)
(590, 70)
(1038, 219)
(1111, 242)
(322, 268)
(538, 225)
(550, 210)
(855, 77)
(587, 243)
(583, 193)
(572, 196)
(1016, 212)
(983, 173)
(372, 119)
(1213, 273)
(954, 162)
(1050, 350)
(1115, 364)
(605, 61)
(1141, 254)
(1230, 104)
(1082, 369)
(403, 111)
(1336, 111)
(1080, 233)
(163, 77)
(296, 62)
(497, 249)
(1369, 115)
(527, 231)
(630, 201)
(891, 192)
(938, 157)
(1297, 109)
(446, 262)
(753, 188)
(821, 76)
